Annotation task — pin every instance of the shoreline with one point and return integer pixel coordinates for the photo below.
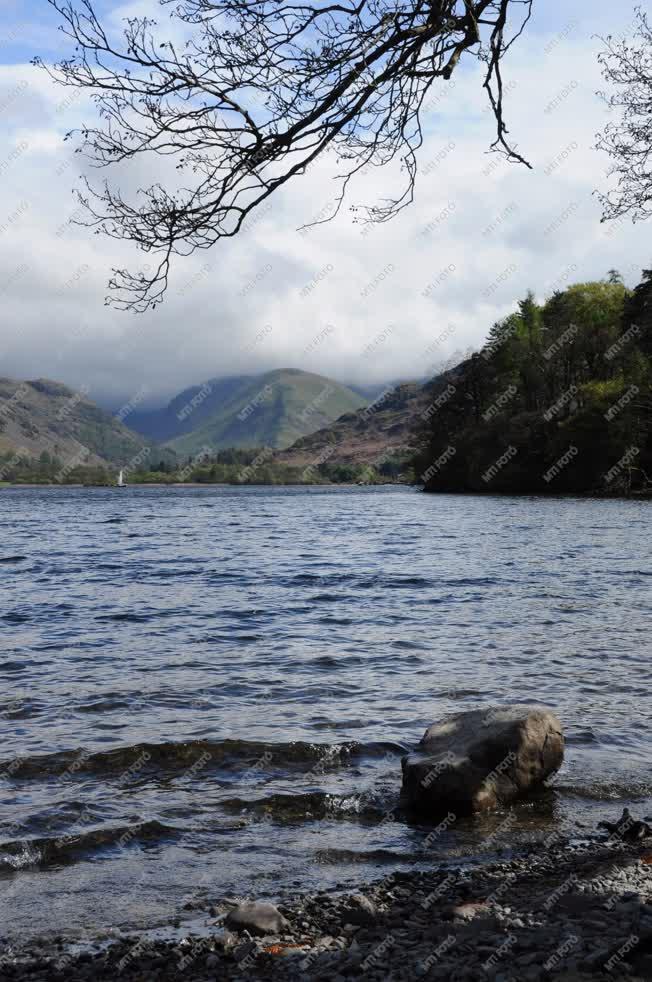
(563, 909)
(205, 484)
(565, 495)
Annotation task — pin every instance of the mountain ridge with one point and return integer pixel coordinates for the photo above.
(271, 409)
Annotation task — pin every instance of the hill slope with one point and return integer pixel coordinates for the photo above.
(42, 416)
(174, 420)
(270, 410)
(386, 428)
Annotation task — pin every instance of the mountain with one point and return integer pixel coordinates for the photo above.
(173, 420)
(386, 429)
(272, 410)
(45, 417)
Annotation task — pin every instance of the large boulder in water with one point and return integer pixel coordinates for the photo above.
(479, 760)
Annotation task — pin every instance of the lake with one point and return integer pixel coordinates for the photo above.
(206, 692)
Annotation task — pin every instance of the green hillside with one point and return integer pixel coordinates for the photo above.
(188, 410)
(45, 419)
(272, 410)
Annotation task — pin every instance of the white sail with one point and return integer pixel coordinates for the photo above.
(121, 482)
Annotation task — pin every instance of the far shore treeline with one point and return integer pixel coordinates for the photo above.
(559, 400)
(231, 466)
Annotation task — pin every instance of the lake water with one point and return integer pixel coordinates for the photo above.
(206, 692)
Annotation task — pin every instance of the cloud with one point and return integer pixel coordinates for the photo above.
(480, 233)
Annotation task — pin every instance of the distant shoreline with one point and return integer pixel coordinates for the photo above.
(205, 484)
(581, 495)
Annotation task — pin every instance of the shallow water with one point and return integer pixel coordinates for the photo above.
(206, 691)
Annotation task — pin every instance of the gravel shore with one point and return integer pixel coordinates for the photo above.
(564, 910)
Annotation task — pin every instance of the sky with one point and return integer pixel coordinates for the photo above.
(387, 302)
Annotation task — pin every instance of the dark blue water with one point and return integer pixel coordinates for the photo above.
(206, 692)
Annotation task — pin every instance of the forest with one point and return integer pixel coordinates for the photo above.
(558, 400)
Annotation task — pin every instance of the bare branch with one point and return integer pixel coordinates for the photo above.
(259, 90)
(627, 67)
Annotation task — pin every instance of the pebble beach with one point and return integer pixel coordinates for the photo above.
(570, 910)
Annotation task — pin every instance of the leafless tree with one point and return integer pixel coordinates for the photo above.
(254, 94)
(627, 67)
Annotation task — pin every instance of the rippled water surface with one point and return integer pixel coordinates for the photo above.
(207, 691)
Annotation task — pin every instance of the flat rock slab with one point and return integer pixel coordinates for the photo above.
(256, 917)
(482, 759)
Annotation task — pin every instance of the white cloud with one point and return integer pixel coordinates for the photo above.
(478, 235)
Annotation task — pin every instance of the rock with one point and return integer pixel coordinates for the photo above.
(360, 910)
(466, 912)
(482, 759)
(257, 918)
(596, 959)
(627, 827)
(643, 967)
(531, 958)
(245, 950)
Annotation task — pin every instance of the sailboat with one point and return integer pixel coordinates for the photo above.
(121, 481)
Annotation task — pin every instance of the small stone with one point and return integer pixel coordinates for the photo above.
(596, 959)
(244, 950)
(466, 912)
(360, 910)
(529, 959)
(257, 917)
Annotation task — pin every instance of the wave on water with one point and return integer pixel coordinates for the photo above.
(312, 806)
(403, 582)
(361, 581)
(196, 755)
(126, 616)
(597, 790)
(19, 854)
(337, 857)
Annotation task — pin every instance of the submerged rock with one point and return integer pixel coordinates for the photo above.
(257, 918)
(479, 760)
(627, 827)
